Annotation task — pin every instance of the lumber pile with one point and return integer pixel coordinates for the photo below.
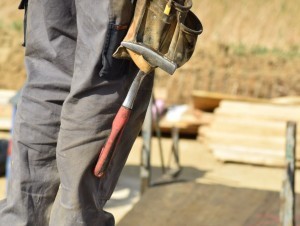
(250, 132)
(6, 112)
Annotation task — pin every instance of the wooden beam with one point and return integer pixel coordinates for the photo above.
(259, 110)
(247, 155)
(6, 95)
(6, 110)
(210, 100)
(287, 210)
(5, 124)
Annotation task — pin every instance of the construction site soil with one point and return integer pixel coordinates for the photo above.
(247, 48)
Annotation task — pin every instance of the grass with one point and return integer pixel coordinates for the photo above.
(243, 50)
(16, 25)
(239, 49)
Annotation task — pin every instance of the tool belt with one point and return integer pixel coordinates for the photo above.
(163, 33)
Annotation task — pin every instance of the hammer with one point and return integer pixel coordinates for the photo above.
(118, 126)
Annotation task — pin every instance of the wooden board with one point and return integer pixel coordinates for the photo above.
(5, 124)
(249, 125)
(191, 204)
(274, 143)
(208, 101)
(289, 100)
(5, 116)
(6, 110)
(247, 155)
(5, 135)
(251, 132)
(259, 110)
(6, 95)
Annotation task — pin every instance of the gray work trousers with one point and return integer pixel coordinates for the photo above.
(73, 91)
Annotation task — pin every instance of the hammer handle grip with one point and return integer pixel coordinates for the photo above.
(107, 151)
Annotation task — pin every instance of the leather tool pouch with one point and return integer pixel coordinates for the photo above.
(172, 34)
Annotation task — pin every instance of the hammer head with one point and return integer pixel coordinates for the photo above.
(154, 58)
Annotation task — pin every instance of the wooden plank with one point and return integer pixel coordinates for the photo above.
(287, 196)
(244, 124)
(6, 95)
(267, 152)
(272, 142)
(248, 155)
(262, 106)
(6, 110)
(5, 124)
(194, 204)
(289, 100)
(5, 135)
(208, 101)
(249, 127)
(250, 132)
(266, 111)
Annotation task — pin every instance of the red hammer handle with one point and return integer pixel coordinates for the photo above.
(114, 138)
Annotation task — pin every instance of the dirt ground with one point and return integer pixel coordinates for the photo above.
(12, 72)
(199, 166)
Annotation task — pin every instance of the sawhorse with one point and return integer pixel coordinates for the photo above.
(147, 131)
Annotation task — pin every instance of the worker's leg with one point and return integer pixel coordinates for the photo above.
(49, 61)
(98, 89)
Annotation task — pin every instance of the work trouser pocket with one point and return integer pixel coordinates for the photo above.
(24, 6)
(113, 68)
(120, 15)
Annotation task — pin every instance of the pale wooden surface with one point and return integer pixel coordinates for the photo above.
(5, 95)
(250, 132)
(208, 101)
(2, 187)
(260, 110)
(6, 109)
(5, 135)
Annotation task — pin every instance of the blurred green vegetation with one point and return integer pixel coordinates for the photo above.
(16, 26)
(243, 50)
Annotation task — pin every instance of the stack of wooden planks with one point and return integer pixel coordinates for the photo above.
(250, 131)
(6, 112)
